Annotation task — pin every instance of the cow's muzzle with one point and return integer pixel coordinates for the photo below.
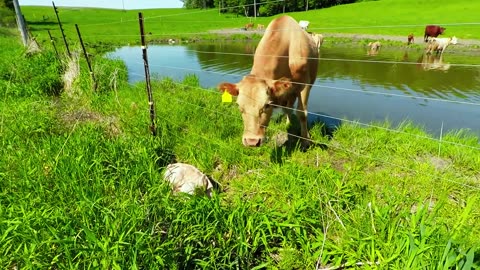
(252, 142)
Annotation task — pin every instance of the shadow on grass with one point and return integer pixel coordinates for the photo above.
(289, 142)
(41, 23)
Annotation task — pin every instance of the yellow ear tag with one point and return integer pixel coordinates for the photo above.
(226, 97)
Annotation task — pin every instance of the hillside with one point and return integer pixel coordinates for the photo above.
(385, 17)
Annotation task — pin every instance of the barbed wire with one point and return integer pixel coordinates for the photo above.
(246, 5)
(316, 142)
(177, 14)
(376, 126)
(330, 87)
(327, 59)
(248, 157)
(347, 120)
(393, 26)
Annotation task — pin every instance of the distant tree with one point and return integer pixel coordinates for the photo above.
(264, 7)
(197, 3)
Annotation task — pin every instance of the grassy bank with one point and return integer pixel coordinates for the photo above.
(386, 17)
(81, 182)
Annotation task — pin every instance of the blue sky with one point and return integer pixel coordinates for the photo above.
(116, 4)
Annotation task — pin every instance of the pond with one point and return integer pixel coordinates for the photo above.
(397, 84)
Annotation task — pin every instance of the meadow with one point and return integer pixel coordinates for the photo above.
(386, 17)
(81, 177)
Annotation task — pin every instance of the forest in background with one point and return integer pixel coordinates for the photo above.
(263, 7)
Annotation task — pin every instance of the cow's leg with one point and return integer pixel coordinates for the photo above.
(302, 114)
(287, 110)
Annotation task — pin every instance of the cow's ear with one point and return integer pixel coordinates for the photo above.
(229, 87)
(281, 87)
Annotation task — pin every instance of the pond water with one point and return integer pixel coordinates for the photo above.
(397, 84)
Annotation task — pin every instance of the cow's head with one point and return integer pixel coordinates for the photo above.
(442, 29)
(454, 40)
(255, 97)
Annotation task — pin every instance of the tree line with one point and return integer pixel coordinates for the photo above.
(263, 7)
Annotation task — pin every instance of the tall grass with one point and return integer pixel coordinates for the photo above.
(81, 185)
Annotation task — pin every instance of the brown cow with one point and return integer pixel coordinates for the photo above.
(284, 69)
(410, 39)
(433, 31)
(249, 26)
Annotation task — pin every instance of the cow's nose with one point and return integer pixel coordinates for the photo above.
(255, 142)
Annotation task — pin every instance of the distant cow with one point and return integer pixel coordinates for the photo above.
(304, 24)
(440, 44)
(248, 26)
(260, 26)
(317, 39)
(374, 47)
(284, 68)
(410, 39)
(433, 31)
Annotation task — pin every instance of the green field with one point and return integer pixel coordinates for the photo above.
(386, 17)
(81, 177)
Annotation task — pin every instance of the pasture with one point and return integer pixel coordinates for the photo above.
(386, 17)
(81, 187)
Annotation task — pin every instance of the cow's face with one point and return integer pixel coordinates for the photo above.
(255, 98)
(454, 40)
(442, 29)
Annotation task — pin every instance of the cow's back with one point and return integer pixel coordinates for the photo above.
(285, 48)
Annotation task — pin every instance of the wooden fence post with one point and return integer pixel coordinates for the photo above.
(147, 77)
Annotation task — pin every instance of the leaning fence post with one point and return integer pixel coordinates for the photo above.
(88, 60)
(61, 30)
(147, 76)
(53, 44)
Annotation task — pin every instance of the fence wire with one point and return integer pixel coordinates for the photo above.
(329, 145)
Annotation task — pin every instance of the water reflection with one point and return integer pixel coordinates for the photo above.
(433, 62)
(394, 84)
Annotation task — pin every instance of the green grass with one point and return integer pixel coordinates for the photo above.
(81, 183)
(81, 177)
(385, 17)
(397, 17)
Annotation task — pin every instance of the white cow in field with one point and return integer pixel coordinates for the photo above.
(304, 24)
(440, 44)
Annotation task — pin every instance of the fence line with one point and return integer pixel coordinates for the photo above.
(180, 14)
(327, 59)
(310, 58)
(438, 140)
(395, 26)
(216, 9)
(333, 87)
(316, 142)
(369, 157)
(250, 158)
(362, 124)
